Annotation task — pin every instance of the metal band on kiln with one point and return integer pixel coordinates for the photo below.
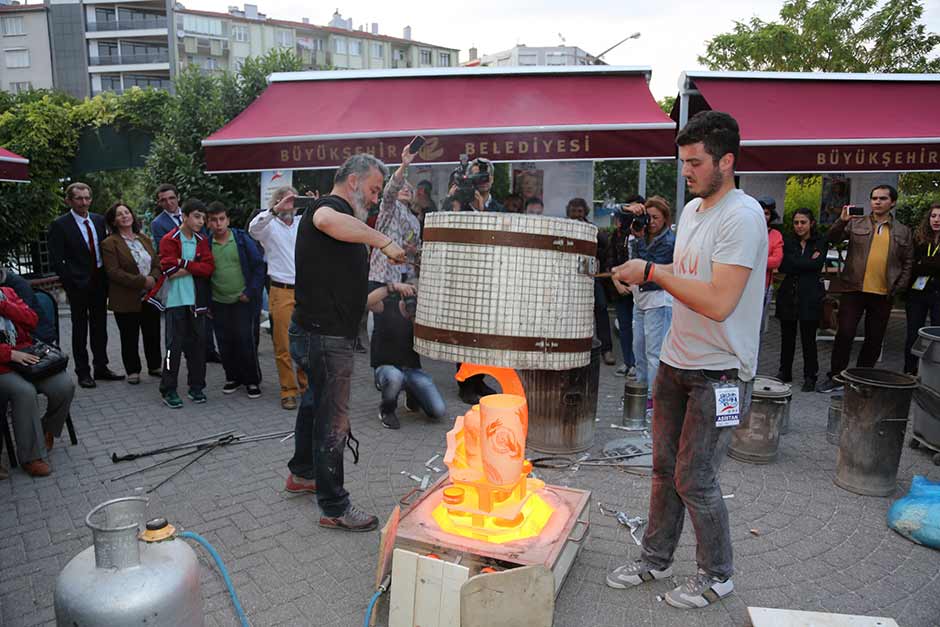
(502, 342)
(510, 239)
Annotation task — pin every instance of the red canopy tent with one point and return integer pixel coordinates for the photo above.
(310, 120)
(795, 122)
(13, 168)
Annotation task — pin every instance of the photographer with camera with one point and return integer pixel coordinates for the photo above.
(618, 253)
(653, 242)
(392, 355)
(396, 220)
(470, 185)
(878, 264)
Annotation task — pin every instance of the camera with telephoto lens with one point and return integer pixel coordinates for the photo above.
(632, 221)
(411, 304)
(467, 183)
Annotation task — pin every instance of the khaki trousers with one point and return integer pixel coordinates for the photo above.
(293, 380)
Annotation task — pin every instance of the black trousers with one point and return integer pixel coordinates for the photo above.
(807, 330)
(185, 334)
(89, 309)
(602, 318)
(852, 305)
(236, 328)
(132, 326)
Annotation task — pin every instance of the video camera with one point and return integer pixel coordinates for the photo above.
(467, 183)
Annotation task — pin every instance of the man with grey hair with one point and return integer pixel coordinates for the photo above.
(332, 264)
(276, 230)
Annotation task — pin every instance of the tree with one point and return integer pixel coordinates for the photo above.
(830, 36)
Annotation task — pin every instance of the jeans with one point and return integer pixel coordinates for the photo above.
(918, 306)
(236, 327)
(390, 380)
(788, 347)
(133, 325)
(602, 318)
(28, 427)
(687, 451)
(625, 321)
(650, 327)
(852, 305)
(185, 334)
(322, 427)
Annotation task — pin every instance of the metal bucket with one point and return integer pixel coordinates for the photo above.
(634, 406)
(507, 290)
(835, 419)
(562, 406)
(926, 416)
(874, 419)
(927, 348)
(757, 438)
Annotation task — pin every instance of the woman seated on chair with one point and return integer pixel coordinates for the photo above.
(34, 436)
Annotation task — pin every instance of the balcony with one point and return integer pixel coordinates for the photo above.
(130, 59)
(145, 24)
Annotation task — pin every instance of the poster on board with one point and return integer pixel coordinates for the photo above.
(271, 180)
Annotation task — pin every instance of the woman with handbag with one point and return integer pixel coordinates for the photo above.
(17, 320)
(133, 267)
(800, 297)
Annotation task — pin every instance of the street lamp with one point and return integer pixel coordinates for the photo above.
(597, 59)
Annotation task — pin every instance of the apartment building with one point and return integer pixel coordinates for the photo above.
(222, 41)
(523, 55)
(27, 58)
(108, 45)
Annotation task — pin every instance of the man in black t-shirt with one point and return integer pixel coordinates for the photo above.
(396, 363)
(332, 270)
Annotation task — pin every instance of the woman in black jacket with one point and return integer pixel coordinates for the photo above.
(800, 297)
(923, 297)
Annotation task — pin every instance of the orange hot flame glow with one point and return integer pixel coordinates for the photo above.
(492, 498)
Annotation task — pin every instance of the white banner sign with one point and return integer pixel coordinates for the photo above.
(271, 180)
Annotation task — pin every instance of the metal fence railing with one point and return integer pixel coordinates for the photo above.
(144, 24)
(130, 59)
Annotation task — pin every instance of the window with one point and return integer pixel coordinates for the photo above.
(284, 38)
(110, 83)
(425, 57)
(377, 50)
(204, 25)
(443, 59)
(339, 45)
(107, 49)
(105, 15)
(20, 86)
(143, 80)
(355, 47)
(13, 25)
(239, 62)
(17, 57)
(240, 33)
(318, 45)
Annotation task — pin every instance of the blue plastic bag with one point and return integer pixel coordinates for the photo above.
(917, 515)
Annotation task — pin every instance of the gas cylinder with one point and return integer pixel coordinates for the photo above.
(137, 573)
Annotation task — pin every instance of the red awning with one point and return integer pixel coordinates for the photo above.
(307, 120)
(13, 168)
(827, 122)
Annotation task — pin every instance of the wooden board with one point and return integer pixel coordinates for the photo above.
(425, 591)
(519, 597)
(771, 617)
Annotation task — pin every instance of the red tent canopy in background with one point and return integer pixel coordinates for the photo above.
(819, 122)
(13, 168)
(307, 120)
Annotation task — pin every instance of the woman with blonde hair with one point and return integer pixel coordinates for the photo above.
(923, 297)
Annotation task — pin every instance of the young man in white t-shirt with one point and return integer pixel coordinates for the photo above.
(707, 364)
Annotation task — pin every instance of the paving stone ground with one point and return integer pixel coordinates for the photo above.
(819, 547)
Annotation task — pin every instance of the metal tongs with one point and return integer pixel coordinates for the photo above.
(634, 523)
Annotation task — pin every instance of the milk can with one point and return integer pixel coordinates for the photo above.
(135, 574)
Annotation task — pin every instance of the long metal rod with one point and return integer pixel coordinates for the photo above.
(186, 465)
(166, 449)
(156, 465)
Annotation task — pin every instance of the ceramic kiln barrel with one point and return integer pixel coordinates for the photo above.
(507, 290)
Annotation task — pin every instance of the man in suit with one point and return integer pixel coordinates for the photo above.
(168, 219)
(75, 253)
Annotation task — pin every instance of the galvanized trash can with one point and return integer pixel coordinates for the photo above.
(874, 418)
(757, 438)
(562, 406)
(834, 424)
(634, 406)
(927, 348)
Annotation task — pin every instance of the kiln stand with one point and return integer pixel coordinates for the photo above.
(555, 547)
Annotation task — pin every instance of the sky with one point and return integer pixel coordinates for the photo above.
(673, 33)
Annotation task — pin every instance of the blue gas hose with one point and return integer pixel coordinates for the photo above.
(228, 580)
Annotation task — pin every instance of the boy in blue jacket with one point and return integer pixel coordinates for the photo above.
(236, 300)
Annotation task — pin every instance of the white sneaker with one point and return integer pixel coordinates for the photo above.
(635, 573)
(699, 590)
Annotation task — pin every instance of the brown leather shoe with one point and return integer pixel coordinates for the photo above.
(289, 403)
(37, 468)
(50, 440)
